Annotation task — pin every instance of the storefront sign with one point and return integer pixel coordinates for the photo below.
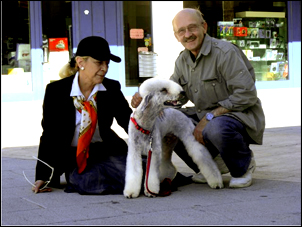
(136, 33)
(140, 49)
(58, 44)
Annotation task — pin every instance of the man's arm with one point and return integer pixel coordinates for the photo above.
(136, 100)
(219, 111)
(203, 122)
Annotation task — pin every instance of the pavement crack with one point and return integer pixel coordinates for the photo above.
(28, 200)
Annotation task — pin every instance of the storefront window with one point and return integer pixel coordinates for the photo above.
(137, 40)
(260, 30)
(16, 52)
(56, 28)
(262, 36)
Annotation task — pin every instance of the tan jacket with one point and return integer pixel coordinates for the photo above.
(221, 76)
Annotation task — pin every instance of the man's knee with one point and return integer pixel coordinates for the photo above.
(213, 130)
(224, 130)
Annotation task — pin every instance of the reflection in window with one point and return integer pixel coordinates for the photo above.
(137, 15)
(16, 52)
(15, 38)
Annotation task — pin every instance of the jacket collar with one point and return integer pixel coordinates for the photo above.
(204, 50)
(75, 89)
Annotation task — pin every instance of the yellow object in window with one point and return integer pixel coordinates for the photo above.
(270, 76)
(15, 71)
(147, 41)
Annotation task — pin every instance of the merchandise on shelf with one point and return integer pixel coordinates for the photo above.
(262, 39)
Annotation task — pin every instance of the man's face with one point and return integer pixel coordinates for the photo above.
(189, 30)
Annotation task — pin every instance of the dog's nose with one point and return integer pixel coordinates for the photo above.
(183, 93)
(183, 97)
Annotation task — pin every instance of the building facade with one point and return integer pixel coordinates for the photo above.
(141, 33)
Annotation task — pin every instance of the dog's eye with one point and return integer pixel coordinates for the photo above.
(164, 90)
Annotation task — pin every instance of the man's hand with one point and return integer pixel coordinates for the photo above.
(203, 122)
(198, 130)
(136, 100)
(38, 185)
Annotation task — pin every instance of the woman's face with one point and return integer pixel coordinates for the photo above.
(94, 70)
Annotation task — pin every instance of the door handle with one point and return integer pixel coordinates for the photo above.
(45, 49)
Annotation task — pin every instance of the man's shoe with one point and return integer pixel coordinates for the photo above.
(199, 178)
(246, 179)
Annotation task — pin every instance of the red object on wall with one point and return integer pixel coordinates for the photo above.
(58, 44)
(240, 31)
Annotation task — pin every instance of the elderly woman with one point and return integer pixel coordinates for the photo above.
(78, 112)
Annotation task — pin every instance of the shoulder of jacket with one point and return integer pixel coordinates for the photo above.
(222, 45)
(61, 82)
(180, 54)
(110, 83)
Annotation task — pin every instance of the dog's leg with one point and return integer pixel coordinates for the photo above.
(134, 171)
(183, 128)
(153, 178)
(207, 166)
(167, 169)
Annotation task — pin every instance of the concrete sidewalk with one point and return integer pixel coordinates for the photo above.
(273, 199)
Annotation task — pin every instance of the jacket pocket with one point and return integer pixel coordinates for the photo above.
(185, 86)
(216, 89)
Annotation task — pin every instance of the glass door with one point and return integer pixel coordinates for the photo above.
(16, 50)
(56, 34)
(34, 47)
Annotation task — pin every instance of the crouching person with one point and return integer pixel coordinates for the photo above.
(78, 112)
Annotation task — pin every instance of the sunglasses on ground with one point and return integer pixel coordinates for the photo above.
(46, 182)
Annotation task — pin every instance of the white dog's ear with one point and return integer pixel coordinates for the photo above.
(144, 104)
(146, 101)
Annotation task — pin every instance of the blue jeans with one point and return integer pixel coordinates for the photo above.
(226, 136)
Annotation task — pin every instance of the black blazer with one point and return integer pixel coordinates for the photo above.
(58, 124)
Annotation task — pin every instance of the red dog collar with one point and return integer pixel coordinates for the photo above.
(139, 127)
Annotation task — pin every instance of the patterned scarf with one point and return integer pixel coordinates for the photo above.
(88, 109)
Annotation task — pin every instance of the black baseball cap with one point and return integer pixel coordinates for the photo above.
(97, 48)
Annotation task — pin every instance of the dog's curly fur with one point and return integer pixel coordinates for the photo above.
(153, 115)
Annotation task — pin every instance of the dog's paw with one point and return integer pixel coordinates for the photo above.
(153, 190)
(130, 194)
(216, 184)
(131, 190)
(149, 194)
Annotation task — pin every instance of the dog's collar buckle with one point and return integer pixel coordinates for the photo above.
(147, 132)
(151, 140)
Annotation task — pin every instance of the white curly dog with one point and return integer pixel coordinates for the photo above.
(154, 116)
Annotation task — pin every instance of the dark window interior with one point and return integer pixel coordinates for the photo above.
(16, 27)
(137, 14)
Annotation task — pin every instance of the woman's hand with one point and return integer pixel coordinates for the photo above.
(136, 100)
(39, 184)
